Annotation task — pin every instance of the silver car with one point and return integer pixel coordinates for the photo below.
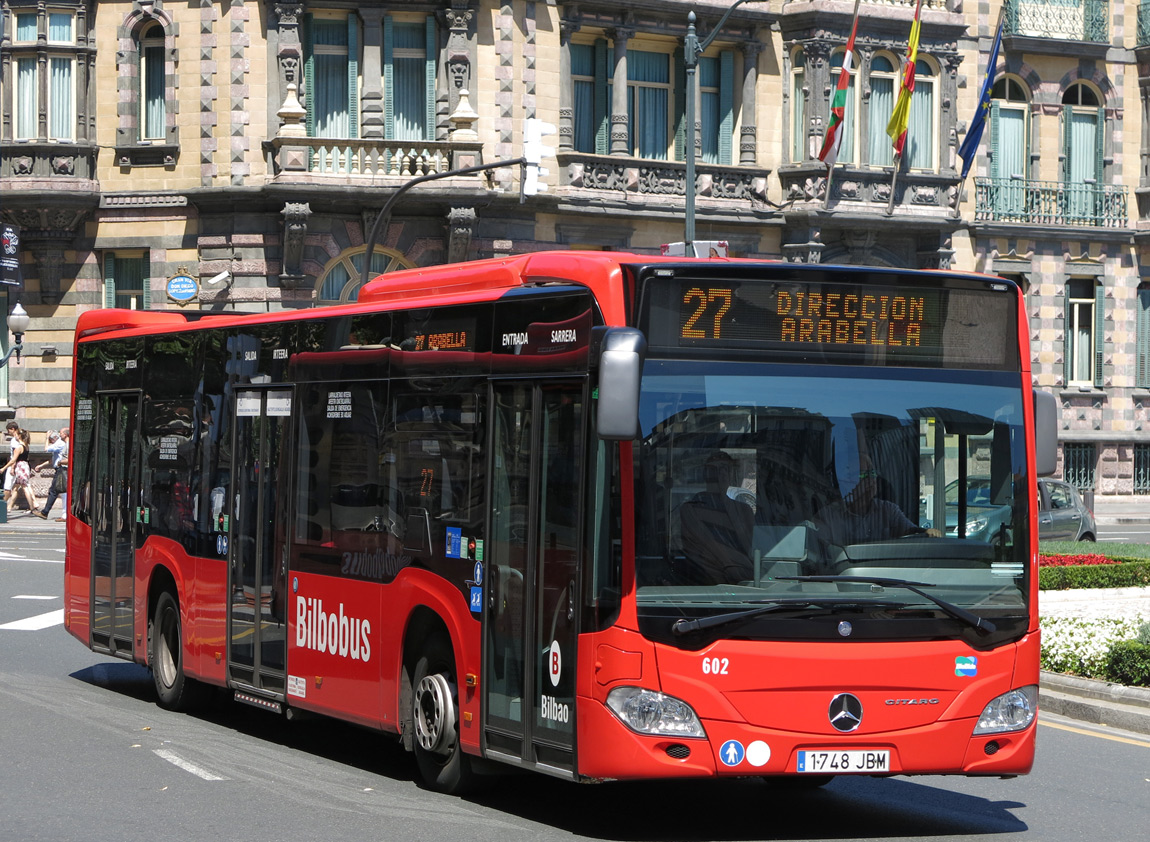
(1062, 513)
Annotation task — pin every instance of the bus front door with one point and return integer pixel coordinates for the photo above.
(257, 615)
(116, 511)
(532, 582)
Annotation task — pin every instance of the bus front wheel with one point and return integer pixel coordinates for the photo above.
(175, 690)
(435, 722)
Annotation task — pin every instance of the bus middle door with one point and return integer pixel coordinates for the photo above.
(531, 610)
(257, 605)
(116, 513)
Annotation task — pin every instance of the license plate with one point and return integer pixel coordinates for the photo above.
(843, 761)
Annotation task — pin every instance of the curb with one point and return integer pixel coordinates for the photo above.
(1096, 702)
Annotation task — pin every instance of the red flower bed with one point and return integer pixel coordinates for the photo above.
(1073, 560)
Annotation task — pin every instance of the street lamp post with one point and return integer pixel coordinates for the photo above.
(692, 49)
(18, 322)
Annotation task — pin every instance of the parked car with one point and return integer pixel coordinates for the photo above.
(984, 518)
(1062, 513)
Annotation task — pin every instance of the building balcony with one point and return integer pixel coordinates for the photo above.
(50, 165)
(1060, 20)
(612, 177)
(1053, 203)
(326, 160)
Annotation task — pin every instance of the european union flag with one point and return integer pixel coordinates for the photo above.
(969, 147)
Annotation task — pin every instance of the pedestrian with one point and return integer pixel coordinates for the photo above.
(58, 451)
(10, 430)
(21, 471)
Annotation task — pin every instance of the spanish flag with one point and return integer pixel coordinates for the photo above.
(899, 118)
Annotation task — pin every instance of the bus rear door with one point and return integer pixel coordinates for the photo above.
(531, 610)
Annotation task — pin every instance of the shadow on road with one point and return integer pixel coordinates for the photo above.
(711, 811)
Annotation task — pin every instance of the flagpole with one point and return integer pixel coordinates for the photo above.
(893, 181)
(993, 57)
(850, 46)
(907, 71)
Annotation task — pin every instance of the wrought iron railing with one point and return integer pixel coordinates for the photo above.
(1078, 463)
(1068, 20)
(1050, 203)
(1143, 24)
(1142, 469)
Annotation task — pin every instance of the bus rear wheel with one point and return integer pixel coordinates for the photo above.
(435, 723)
(165, 641)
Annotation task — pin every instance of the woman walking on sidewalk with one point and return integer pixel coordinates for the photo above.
(21, 472)
(58, 450)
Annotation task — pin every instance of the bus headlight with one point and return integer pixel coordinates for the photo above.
(1011, 711)
(649, 712)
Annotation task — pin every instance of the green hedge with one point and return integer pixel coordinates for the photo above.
(1121, 574)
(1128, 663)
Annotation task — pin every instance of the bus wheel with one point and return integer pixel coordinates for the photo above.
(435, 723)
(176, 690)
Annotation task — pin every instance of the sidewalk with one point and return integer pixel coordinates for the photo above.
(22, 521)
(1111, 509)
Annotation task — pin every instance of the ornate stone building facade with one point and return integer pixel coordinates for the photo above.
(250, 145)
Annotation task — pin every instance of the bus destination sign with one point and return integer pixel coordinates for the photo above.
(828, 316)
(888, 324)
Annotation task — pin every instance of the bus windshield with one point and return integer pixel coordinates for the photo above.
(881, 497)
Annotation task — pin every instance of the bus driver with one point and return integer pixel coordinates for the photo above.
(716, 529)
(862, 516)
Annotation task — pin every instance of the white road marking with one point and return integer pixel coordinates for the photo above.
(176, 760)
(40, 621)
(33, 596)
(10, 557)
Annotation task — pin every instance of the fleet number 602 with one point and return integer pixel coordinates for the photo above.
(715, 666)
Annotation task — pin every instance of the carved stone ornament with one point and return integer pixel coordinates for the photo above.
(295, 216)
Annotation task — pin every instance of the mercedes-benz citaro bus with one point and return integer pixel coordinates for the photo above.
(599, 515)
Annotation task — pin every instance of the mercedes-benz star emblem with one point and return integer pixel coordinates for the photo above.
(845, 712)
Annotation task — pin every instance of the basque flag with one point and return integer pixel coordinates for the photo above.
(900, 117)
(969, 148)
(833, 139)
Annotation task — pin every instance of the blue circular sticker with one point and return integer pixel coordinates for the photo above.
(732, 753)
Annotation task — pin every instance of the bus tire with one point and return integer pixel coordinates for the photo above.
(165, 642)
(435, 722)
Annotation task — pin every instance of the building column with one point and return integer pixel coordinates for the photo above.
(749, 111)
(566, 88)
(371, 96)
(620, 134)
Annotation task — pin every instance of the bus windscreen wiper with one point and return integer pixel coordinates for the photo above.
(983, 625)
(685, 626)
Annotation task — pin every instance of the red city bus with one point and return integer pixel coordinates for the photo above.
(603, 516)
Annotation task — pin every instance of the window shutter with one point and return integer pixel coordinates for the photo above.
(680, 69)
(1142, 328)
(1067, 134)
(308, 76)
(726, 106)
(602, 117)
(388, 79)
(1099, 331)
(1067, 337)
(353, 75)
(998, 190)
(109, 280)
(431, 62)
(1099, 145)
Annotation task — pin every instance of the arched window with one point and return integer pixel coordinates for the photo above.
(883, 69)
(1009, 147)
(1083, 147)
(922, 127)
(798, 107)
(340, 281)
(153, 83)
